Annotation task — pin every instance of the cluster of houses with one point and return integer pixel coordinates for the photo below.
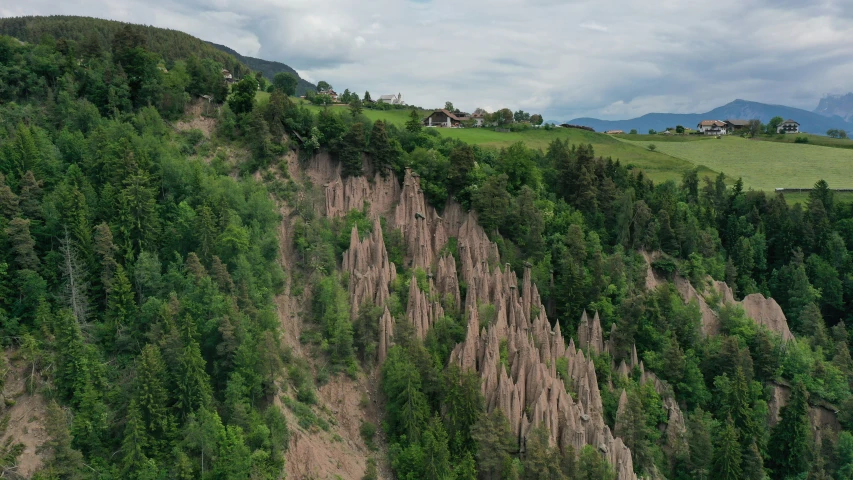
(728, 127)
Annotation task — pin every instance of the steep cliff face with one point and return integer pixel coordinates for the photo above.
(525, 385)
(764, 311)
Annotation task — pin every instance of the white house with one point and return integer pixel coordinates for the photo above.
(392, 99)
(788, 126)
(711, 127)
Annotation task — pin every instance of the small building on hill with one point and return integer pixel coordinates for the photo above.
(711, 127)
(330, 93)
(391, 99)
(479, 118)
(733, 126)
(788, 126)
(227, 76)
(614, 132)
(442, 118)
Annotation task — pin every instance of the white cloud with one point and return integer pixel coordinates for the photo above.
(546, 56)
(594, 26)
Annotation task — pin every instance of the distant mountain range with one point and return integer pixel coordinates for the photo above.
(268, 68)
(836, 105)
(810, 122)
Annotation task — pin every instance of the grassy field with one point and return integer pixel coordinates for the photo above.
(819, 140)
(657, 165)
(765, 165)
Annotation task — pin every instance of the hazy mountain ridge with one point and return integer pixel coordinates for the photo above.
(836, 105)
(739, 109)
(268, 67)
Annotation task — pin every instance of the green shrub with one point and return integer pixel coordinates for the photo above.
(368, 434)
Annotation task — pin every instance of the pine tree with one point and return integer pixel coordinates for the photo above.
(668, 240)
(414, 124)
(194, 267)
(494, 443)
(436, 459)
(790, 440)
(351, 151)
(151, 397)
(753, 464)
(22, 243)
(593, 466)
(492, 202)
(701, 445)
(193, 383)
(8, 200)
(138, 220)
(462, 405)
(105, 251)
(382, 152)
(739, 405)
(844, 455)
(221, 276)
(72, 361)
(121, 305)
(234, 457)
(542, 461)
(76, 215)
(727, 453)
(462, 162)
(66, 462)
(134, 443)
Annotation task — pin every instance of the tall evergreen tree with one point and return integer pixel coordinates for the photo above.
(382, 152)
(494, 444)
(152, 399)
(352, 148)
(790, 441)
(414, 123)
(727, 453)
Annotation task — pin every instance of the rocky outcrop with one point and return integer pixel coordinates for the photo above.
(524, 385)
(528, 390)
(422, 228)
(422, 311)
(590, 335)
(386, 335)
(822, 418)
(765, 311)
(710, 320)
(370, 270)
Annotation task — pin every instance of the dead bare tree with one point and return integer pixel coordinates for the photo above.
(75, 284)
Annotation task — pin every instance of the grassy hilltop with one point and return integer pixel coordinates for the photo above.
(763, 164)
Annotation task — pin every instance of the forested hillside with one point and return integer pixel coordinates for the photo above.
(280, 291)
(98, 34)
(269, 68)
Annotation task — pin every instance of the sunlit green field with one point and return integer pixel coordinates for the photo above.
(765, 165)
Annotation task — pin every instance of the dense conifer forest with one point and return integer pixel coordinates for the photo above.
(140, 263)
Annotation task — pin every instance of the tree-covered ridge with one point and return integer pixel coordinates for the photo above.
(171, 45)
(139, 264)
(136, 280)
(269, 69)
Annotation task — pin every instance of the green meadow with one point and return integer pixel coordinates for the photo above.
(764, 164)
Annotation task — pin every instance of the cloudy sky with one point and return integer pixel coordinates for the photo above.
(564, 58)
